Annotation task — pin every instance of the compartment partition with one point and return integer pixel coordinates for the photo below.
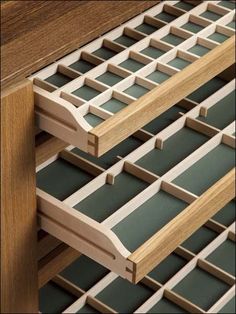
(102, 217)
(174, 46)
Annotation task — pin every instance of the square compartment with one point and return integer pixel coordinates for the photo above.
(179, 63)
(208, 170)
(104, 53)
(158, 76)
(82, 65)
(196, 285)
(199, 50)
(152, 215)
(218, 37)
(58, 79)
(227, 215)
(92, 119)
(222, 113)
(61, 179)
(192, 27)
(111, 197)
(153, 52)
(199, 239)
(173, 40)
(84, 273)
(224, 257)
(123, 296)
(131, 65)
(113, 105)
(166, 306)
(176, 148)
(184, 5)
(227, 4)
(109, 78)
(86, 92)
(146, 28)
(54, 299)
(231, 24)
(210, 15)
(136, 90)
(165, 16)
(168, 268)
(126, 40)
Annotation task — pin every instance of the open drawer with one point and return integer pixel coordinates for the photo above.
(132, 215)
(105, 91)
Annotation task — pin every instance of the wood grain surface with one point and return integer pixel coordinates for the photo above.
(19, 292)
(36, 33)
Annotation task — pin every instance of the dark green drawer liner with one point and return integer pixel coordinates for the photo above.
(166, 17)
(113, 105)
(175, 149)
(61, 179)
(125, 40)
(131, 65)
(179, 63)
(54, 299)
(167, 268)
(109, 78)
(199, 50)
(184, 5)
(92, 119)
(158, 77)
(173, 39)
(192, 27)
(146, 28)
(58, 79)
(222, 113)
(231, 24)
(229, 307)
(86, 92)
(152, 216)
(196, 287)
(105, 201)
(211, 15)
(82, 66)
(207, 89)
(152, 52)
(199, 239)
(109, 158)
(165, 119)
(136, 91)
(224, 257)
(227, 4)
(227, 215)
(123, 296)
(87, 309)
(209, 169)
(84, 272)
(218, 37)
(104, 53)
(166, 306)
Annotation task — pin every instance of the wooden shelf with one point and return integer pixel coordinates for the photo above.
(105, 91)
(99, 211)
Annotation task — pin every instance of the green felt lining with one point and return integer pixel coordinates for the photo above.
(84, 272)
(136, 91)
(229, 307)
(125, 40)
(87, 309)
(86, 92)
(227, 4)
(104, 53)
(107, 199)
(199, 50)
(61, 179)
(199, 239)
(152, 216)
(192, 27)
(224, 257)
(146, 28)
(166, 306)
(165, 119)
(113, 105)
(176, 148)
(231, 24)
(158, 76)
(227, 215)
(222, 113)
(152, 52)
(211, 15)
(184, 5)
(54, 299)
(92, 119)
(209, 169)
(109, 158)
(109, 78)
(218, 37)
(82, 66)
(131, 65)
(201, 288)
(179, 63)
(123, 296)
(58, 79)
(167, 268)
(166, 17)
(173, 39)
